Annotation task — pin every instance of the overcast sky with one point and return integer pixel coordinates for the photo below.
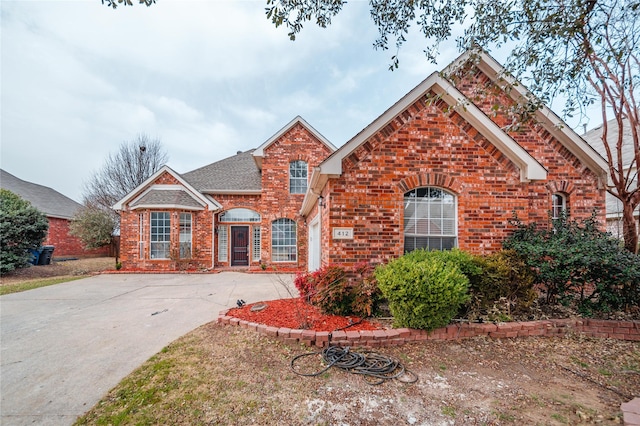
(207, 78)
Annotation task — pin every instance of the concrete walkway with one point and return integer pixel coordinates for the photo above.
(64, 346)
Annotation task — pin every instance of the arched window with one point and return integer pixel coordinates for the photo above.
(239, 215)
(558, 205)
(429, 219)
(297, 177)
(284, 247)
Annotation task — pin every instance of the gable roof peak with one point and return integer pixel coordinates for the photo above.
(258, 153)
(189, 191)
(543, 115)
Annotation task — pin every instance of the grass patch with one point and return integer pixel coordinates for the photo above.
(505, 417)
(559, 418)
(579, 362)
(30, 285)
(449, 411)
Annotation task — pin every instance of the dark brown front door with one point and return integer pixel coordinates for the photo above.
(239, 245)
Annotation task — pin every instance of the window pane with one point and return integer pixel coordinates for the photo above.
(160, 234)
(185, 235)
(558, 205)
(222, 244)
(298, 177)
(283, 241)
(257, 244)
(141, 234)
(430, 219)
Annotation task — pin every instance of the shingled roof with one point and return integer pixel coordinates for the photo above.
(235, 174)
(174, 198)
(47, 200)
(594, 138)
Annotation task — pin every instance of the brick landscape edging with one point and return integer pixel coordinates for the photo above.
(621, 330)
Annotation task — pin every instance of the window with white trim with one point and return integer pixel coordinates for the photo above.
(298, 177)
(284, 246)
(223, 243)
(160, 232)
(558, 205)
(185, 235)
(141, 234)
(430, 219)
(257, 244)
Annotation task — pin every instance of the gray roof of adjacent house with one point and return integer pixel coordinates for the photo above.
(47, 200)
(238, 173)
(594, 138)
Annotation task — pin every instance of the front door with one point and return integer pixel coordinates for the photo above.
(239, 246)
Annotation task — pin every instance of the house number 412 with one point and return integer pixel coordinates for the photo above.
(342, 233)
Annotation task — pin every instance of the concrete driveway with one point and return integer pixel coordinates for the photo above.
(64, 346)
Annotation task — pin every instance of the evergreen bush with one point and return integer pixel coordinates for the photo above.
(423, 291)
(22, 228)
(577, 264)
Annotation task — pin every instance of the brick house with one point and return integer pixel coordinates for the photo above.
(441, 168)
(59, 210)
(242, 211)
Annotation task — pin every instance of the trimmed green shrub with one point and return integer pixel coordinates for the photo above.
(423, 291)
(500, 285)
(466, 262)
(22, 228)
(577, 264)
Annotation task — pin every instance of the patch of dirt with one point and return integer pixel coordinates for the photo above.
(79, 267)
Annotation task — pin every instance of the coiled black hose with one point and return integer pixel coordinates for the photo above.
(375, 368)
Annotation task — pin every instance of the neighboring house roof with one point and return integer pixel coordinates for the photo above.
(47, 200)
(594, 138)
(182, 195)
(258, 154)
(236, 174)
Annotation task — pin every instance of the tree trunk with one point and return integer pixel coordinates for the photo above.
(629, 228)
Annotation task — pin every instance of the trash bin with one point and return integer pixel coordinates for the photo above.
(46, 255)
(35, 256)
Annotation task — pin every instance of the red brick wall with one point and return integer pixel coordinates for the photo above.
(201, 241)
(430, 145)
(566, 174)
(65, 244)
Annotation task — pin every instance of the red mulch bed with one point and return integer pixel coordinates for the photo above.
(296, 314)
